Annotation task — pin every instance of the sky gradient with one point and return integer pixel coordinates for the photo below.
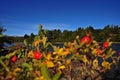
(21, 17)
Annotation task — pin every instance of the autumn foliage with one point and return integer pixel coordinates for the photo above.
(81, 59)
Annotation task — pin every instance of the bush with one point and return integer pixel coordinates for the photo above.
(82, 59)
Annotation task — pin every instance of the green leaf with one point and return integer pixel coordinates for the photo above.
(110, 53)
(2, 63)
(26, 65)
(25, 42)
(44, 41)
(56, 76)
(19, 55)
(8, 56)
(45, 72)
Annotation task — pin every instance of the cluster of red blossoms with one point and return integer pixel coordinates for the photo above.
(87, 40)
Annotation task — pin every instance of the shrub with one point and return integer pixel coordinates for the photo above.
(82, 59)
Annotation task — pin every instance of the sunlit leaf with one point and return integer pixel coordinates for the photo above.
(48, 56)
(44, 41)
(25, 42)
(49, 64)
(106, 65)
(63, 51)
(85, 60)
(61, 67)
(31, 54)
(95, 63)
(45, 72)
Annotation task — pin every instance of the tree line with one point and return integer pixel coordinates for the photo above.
(99, 35)
(57, 35)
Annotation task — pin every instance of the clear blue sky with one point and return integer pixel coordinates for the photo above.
(21, 17)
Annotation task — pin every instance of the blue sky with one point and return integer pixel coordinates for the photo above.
(21, 17)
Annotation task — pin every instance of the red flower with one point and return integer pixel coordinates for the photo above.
(37, 55)
(14, 58)
(105, 44)
(85, 39)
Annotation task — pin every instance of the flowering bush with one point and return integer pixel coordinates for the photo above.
(78, 60)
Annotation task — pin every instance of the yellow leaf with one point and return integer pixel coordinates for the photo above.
(31, 54)
(61, 67)
(49, 64)
(40, 41)
(54, 52)
(92, 72)
(94, 51)
(63, 51)
(106, 64)
(36, 43)
(56, 57)
(68, 61)
(42, 78)
(95, 63)
(85, 60)
(37, 78)
(66, 52)
(48, 56)
(16, 71)
(60, 51)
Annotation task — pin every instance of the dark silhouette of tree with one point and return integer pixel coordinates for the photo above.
(26, 36)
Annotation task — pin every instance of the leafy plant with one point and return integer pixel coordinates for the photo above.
(81, 59)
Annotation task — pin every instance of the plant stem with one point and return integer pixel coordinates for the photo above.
(2, 63)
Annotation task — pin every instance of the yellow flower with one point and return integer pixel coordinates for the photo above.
(106, 64)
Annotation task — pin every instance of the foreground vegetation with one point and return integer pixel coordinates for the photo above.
(79, 59)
